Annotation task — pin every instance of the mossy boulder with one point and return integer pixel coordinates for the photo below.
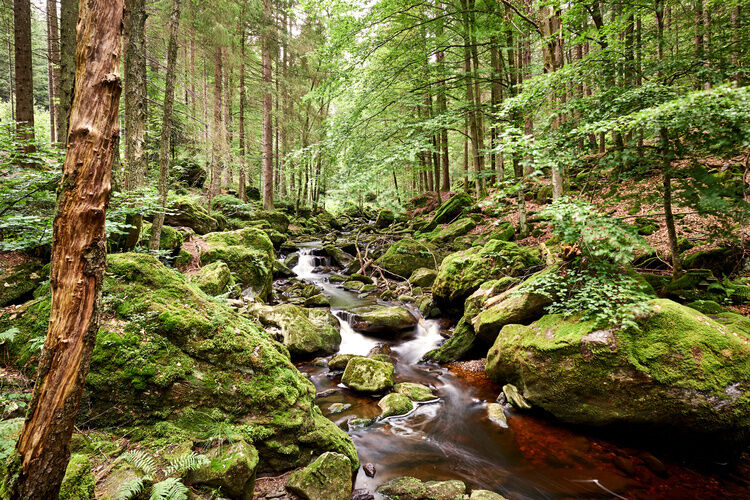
(382, 320)
(248, 253)
(17, 284)
(338, 256)
(504, 231)
(231, 469)
(452, 231)
(415, 392)
(720, 261)
(449, 210)
(305, 332)
(512, 306)
(79, 482)
(485, 495)
(682, 371)
(339, 361)
(169, 359)
(187, 212)
(461, 273)
(329, 477)
(368, 375)
(171, 239)
(385, 219)
(423, 277)
(458, 345)
(411, 488)
(406, 256)
(214, 278)
(395, 404)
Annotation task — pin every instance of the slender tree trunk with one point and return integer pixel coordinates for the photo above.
(24, 77)
(11, 80)
(53, 54)
(68, 20)
(78, 259)
(217, 132)
(267, 132)
(442, 108)
(166, 125)
(242, 188)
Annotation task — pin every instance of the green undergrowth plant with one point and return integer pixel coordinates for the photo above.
(594, 280)
(169, 488)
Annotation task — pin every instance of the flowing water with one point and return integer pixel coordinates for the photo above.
(452, 438)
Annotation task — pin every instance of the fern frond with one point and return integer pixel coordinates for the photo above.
(141, 461)
(186, 462)
(169, 489)
(130, 489)
(8, 335)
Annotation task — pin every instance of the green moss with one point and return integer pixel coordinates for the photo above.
(406, 256)
(171, 239)
(18, 284)
(449, 210)
(415, 392)
(214, 278)
(183, 259)
(187, 211)
(327, 478)
(452, 231)
(79, 482)
(395, 404)
(457, 346)
(368, 375)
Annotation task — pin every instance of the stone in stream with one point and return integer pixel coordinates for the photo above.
(680, 370)
(411, 488)
(369, 470)
(415, 392)
(485, 495)
(362, 494)
(513, 397)
(329, 477)
(338, 407)
(382, 319)
(368, 375)
(497, 415)
(359, 423)
(384, 349)
(423, 277)
(395, 404)
(339, 361)
(353, 285)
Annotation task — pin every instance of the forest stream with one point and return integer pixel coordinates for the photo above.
(452, 437)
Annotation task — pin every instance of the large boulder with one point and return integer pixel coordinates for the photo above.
(171, 360)
(452, 231)
(450, 210)
(231, 469)
(423, 277)
(406, 256)
(214, 278)
(461, 273)
(681, 370)
(248, 253)
(368, 375)
(329, 477)
(381, 320)
(305, 332)
(385, 219)
(187, 212)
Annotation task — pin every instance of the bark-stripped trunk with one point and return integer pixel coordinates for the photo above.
(267, 106)
(24, 79)
(68, 21)
(78, 258)
(166, 125)
(53, 51)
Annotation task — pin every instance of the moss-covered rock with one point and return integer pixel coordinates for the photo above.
(423, 277)
(214, 278)
(187, 212)
(485, 495)
(79, 482)
(368, 375)
(512, 306)
(415, 392)
(339, 361)
(406, 256)
(395, 404)
(452, 231)
(461, 273)
(411, 488)
(231, 469)
(385, 219)
(504, 231)
(382, 320)
(329, 477)
(248, 253)
(305, 332)
(17, 285)
(457, 346)
(169, 359)
(449, 210)
(171, 239)
(682, 370)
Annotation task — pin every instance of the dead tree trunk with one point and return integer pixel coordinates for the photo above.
(78, 257)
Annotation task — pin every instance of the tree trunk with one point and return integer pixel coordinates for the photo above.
(267, 133)
(24, 79)
(68, 21)
(667, 198)
(217, 132)
(166, 125)
(242, 187)
(78, 258)
(53, 53)
(442, 108)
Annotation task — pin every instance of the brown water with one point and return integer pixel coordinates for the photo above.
(452, 438)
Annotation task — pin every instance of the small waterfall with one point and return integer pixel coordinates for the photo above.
(310, 259)
(352, 342)
(427, 337)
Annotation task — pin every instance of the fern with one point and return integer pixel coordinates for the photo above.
(186, 462)
(8, 335)
(130, 489)
(37, 343)
(169, 489)
(141, 461)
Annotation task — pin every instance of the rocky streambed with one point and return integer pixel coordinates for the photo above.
(440, 431)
